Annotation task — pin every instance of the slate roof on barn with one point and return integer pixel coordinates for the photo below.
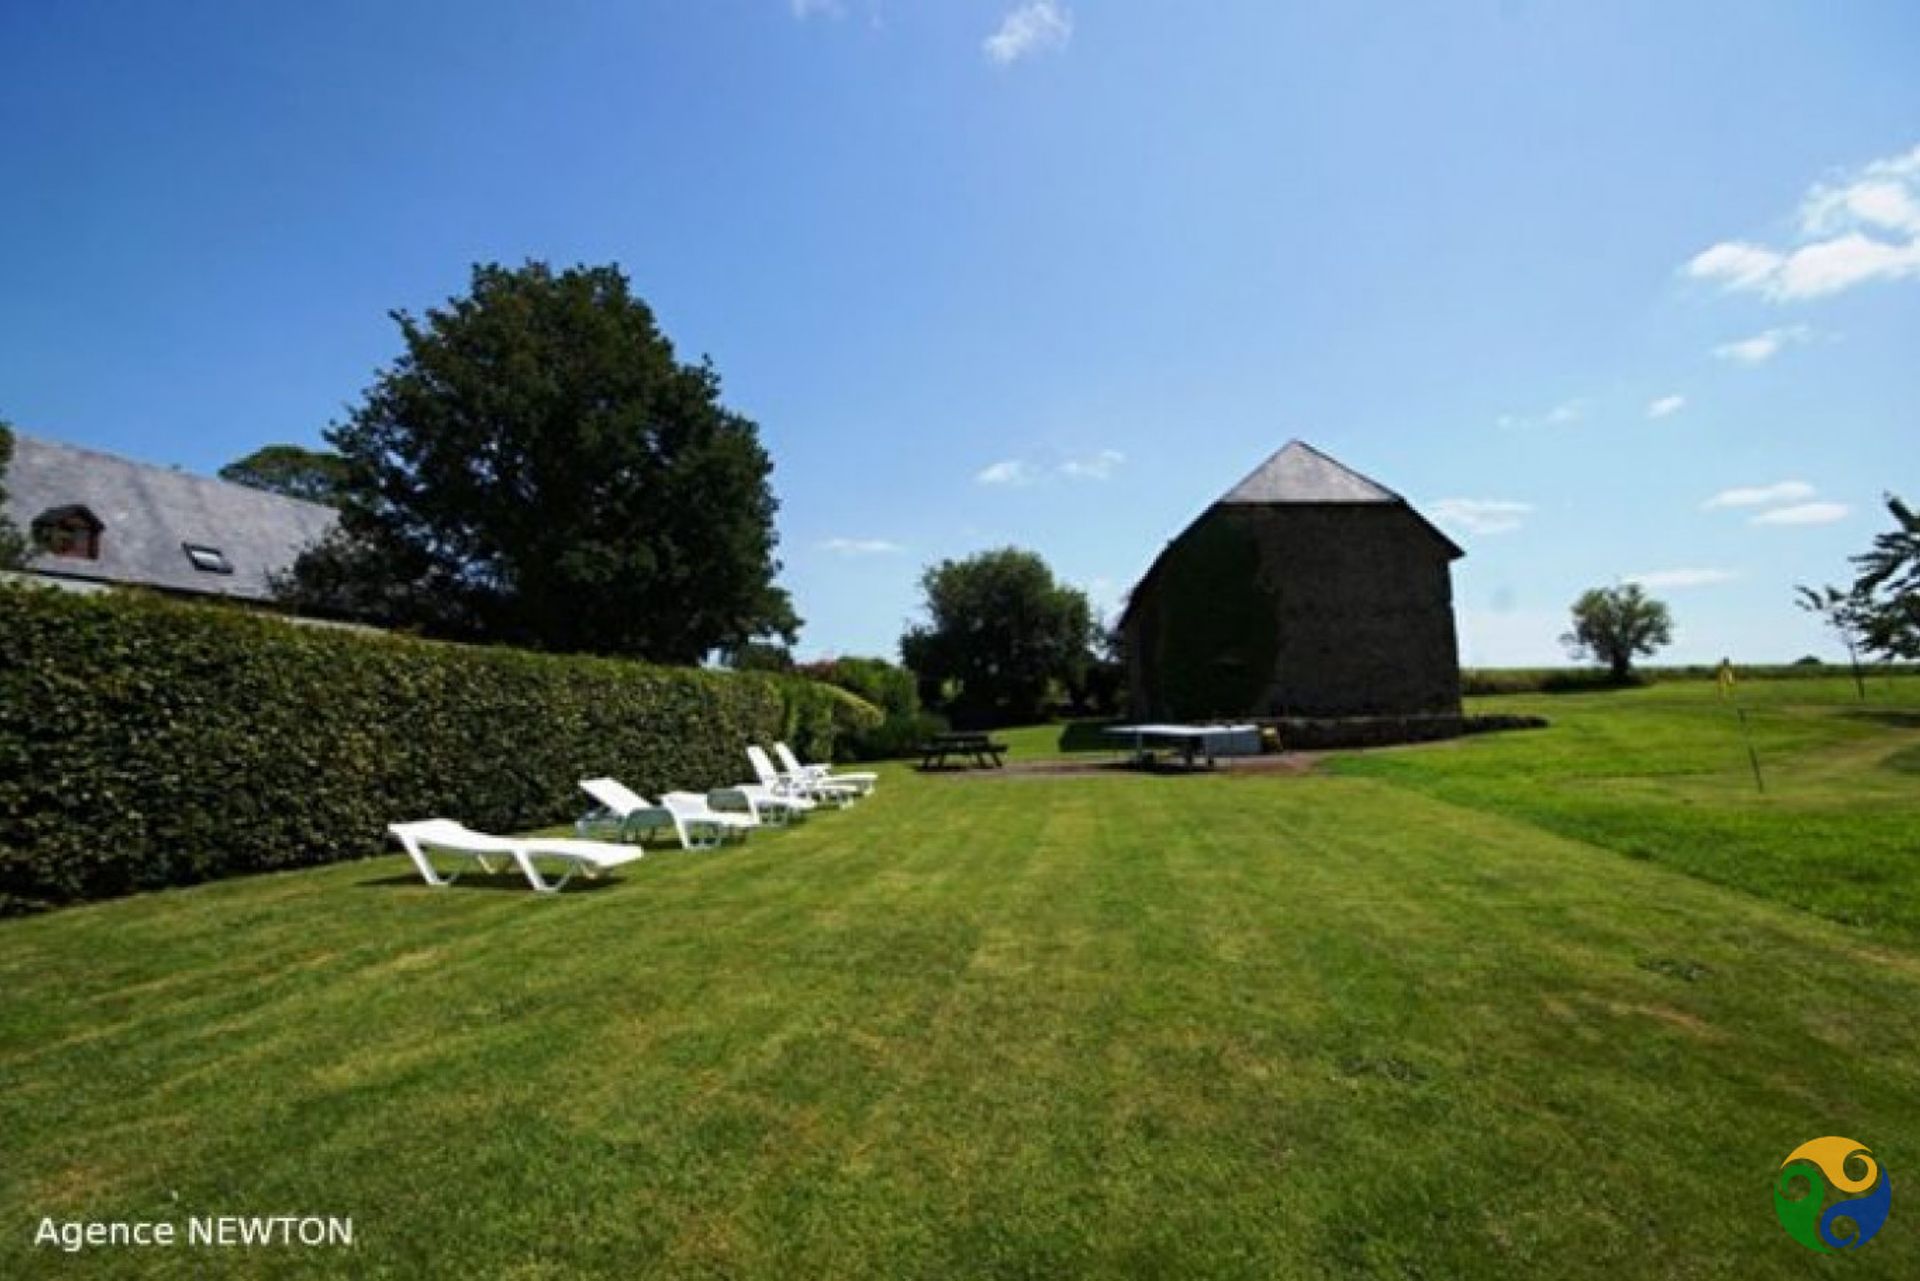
(1297, 474)
(150, 514)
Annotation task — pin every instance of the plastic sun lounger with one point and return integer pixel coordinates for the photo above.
(702, 830)
(693, 811)
(862, 780)
(589, 858)
(787, 784)
(760, 803)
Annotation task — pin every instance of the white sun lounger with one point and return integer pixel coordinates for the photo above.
(450, 838)
(786, 784)
(861, 780)
(693, 813)
(697, 830)
(761, 803)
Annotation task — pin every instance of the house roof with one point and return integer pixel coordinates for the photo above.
(1299, 473)
(149, 513)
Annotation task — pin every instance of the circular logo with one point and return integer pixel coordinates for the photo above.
(1813, 1176)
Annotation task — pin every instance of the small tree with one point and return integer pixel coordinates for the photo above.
(1102, 687)
(1614, 624)
(1886, 594)
(313, 474)
(13, 544)
(1002, 635)
(1844, 616)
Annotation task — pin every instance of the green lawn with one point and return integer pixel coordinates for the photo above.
(1544, 1005)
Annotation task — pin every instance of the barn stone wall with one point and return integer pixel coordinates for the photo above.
(1297, 610)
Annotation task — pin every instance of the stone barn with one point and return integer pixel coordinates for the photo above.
(1307, 590)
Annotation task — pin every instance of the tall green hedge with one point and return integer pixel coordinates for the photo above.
(146, 743)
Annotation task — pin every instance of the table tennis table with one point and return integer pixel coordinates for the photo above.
(1192, 743)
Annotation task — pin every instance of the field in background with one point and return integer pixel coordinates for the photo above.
(1553, 1003)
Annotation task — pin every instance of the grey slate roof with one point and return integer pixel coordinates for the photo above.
(148, 512)
(1299, 473)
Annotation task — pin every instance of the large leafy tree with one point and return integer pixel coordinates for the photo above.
(1614, 625)
(1880, 612)
(1002, 636)
(539, 468)
(13, 544)
(313, 474)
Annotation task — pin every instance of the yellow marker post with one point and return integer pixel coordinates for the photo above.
(1724, 678)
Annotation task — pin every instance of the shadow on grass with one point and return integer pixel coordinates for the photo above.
(1089, 736)
(1882, 716)
(482, 881)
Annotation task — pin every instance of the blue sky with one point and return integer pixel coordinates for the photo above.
(1607, 290)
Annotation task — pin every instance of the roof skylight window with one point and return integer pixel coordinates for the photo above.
(208, 560)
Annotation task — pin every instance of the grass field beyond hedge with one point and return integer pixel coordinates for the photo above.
(1552, 1004)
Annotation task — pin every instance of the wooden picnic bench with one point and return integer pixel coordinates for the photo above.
(979, 749)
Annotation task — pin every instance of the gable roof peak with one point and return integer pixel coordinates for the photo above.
(1299, 473)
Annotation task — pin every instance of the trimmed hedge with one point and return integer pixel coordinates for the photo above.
(146, 743)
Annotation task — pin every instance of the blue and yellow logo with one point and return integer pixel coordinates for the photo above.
(1819, 1167)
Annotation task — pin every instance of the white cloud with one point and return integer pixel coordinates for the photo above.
(1671, 578)
(861, 546)
(1883, 193)
(1666, 406)
(1763, 346)
(804, 9)
(1803, 514)
(1847, 260)
(1736, 264)
(1567, 411)
(1863, 227)
(1009, 472)
(1098, 466)
(1032, 28)
(1482, 515)
(1787, 491)
(1787, 503)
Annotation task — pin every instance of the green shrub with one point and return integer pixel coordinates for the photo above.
(893, 690)
(821, 720)
(888, 686)
(146, 743)
(896, 738)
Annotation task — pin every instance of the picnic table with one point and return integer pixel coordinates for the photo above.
(979, 749)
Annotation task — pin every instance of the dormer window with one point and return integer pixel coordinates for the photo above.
(208, 560)
(73, 532)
